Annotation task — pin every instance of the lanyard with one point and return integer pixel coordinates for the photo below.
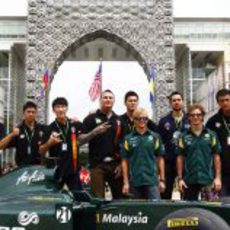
(29, 139)
(226, 125)
(63, 134)
(178, 124)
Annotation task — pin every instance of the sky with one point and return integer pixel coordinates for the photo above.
(73, 79)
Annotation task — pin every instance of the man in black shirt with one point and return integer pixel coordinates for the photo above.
(103, 148)
(131, 102)
(26, 138)
(220, 123)
(62, 142)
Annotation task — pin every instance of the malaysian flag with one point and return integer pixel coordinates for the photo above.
(95, 89)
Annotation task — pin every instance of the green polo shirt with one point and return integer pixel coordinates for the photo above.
(198, 156)
(141, 151)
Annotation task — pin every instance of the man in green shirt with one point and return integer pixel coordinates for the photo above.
(198, 160)
(142, 159)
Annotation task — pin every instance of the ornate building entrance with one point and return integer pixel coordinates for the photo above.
(143, 28)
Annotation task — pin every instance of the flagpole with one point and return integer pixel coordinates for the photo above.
(101, 78)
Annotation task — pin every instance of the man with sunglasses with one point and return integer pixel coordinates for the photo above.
(142, 159)
(198, 160)
(220, 123)
(170, 127)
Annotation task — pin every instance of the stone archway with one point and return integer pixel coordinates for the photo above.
(143, 26)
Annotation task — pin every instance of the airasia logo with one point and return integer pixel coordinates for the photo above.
(29, 178)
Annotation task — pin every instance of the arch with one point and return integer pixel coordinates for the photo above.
(107, 36)
(145, 27)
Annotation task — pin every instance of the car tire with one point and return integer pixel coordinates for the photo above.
(192, 218)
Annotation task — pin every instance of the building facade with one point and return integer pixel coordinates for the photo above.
(200, 67)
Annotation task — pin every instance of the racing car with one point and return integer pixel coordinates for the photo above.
(29, 200)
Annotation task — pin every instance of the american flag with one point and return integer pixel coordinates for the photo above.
(95, 89)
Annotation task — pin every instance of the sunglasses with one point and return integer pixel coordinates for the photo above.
(141, 118)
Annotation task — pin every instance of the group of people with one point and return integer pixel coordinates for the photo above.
(130, 152)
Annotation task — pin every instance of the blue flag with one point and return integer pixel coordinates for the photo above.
(152, 86)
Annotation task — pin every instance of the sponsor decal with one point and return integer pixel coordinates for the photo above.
(63, 214)
(110, 218)
(183, 222)
(30, 178)
(25, 218)
(11, 228)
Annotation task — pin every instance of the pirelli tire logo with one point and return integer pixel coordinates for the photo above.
(120, 218)
(183, 222)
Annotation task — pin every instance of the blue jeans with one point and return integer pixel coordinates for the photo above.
(150, 192)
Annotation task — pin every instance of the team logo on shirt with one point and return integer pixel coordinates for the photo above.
(217, 124)
(73, 130)
(167, 125)
(187, 126)
(207, 136)
(133, 142)
(41, 133)
(22, 136)
(150, 138)
(188, 139)
(98, 120)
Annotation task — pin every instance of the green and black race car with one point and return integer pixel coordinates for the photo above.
(29, 200)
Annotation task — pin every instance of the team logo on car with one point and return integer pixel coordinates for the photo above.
(25, 218)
